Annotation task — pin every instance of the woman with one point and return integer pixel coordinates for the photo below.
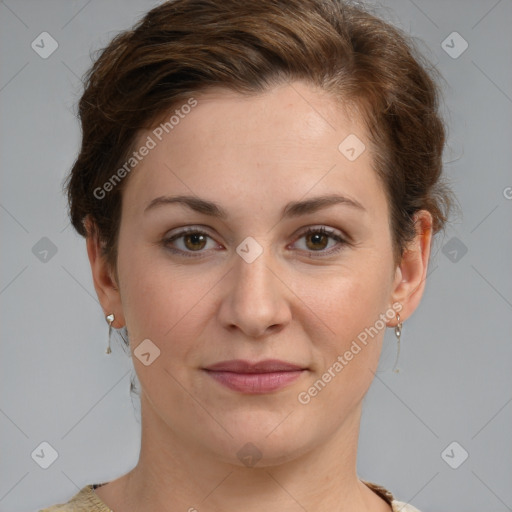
(258, 185)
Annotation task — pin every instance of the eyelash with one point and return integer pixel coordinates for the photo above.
(311, 230)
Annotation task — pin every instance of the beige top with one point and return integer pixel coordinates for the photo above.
(86, 500)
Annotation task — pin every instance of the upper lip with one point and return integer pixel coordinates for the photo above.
(265, 366)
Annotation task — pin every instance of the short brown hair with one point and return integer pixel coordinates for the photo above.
(185, 46)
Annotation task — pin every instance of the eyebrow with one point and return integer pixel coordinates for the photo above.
(291, 210)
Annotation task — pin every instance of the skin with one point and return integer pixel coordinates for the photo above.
(253, 155)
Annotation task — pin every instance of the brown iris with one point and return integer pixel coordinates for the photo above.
(197, 241)
(316, 238)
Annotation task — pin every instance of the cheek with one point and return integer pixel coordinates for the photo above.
(351, 308)
(352, 299)
(161, 301)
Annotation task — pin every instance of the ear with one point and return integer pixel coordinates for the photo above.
(410, 275)
(103, 276)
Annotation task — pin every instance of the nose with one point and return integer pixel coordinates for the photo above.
(256, 299)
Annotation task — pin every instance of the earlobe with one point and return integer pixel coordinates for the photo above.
(410, 276)
(103, 276)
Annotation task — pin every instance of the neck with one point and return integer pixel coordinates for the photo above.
(173, 474)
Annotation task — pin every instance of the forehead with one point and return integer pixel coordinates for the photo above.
(287, 142)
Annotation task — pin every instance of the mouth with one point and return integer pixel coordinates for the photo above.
(255, 377)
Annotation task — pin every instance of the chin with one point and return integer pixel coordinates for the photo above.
(252, 446)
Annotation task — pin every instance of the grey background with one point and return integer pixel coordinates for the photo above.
(59, 386)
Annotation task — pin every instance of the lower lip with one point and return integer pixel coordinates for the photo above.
(255, 383)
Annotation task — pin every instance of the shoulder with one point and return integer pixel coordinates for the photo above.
(85, 500)
(400, 506)
(386, 495)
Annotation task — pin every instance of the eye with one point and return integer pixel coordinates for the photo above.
(189, 240)
(317, 239)
(192, 240)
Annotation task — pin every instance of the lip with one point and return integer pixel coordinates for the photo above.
(255, 377)
(265, 366)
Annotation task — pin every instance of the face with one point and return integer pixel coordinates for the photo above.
(242, 279)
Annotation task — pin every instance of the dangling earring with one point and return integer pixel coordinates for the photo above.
(110, 320)
(398, 333)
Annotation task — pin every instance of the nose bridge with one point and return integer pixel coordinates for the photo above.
(256, 299)
(253, 277)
